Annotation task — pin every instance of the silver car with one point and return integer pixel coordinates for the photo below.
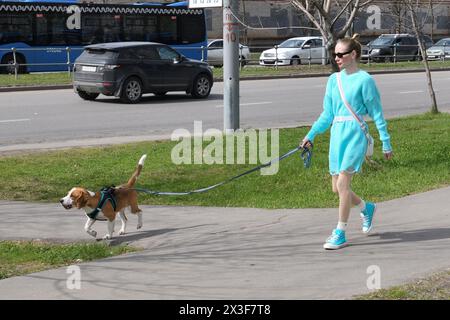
(440, 50)
(295, 51)
(215, 53)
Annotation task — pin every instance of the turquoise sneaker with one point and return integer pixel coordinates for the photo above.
(336, 240)
(367, 216)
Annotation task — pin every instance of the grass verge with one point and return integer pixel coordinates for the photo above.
(23, 257)
(60, 78)
(434, 287)
(35, 79)
(421, 146)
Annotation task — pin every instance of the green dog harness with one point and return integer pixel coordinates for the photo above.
(106, 194)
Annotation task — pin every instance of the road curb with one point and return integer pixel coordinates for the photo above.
(284, 76)
(35, 88)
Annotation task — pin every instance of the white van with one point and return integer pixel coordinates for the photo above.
(295, 51)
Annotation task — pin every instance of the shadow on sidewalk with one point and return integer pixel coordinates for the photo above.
(407, 236)
(139, 235)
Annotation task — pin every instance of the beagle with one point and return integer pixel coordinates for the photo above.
(105, 204)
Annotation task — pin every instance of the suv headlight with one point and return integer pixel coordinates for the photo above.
(375, 51)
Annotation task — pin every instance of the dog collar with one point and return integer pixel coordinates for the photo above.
(106, 194)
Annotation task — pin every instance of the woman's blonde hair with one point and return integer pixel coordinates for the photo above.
(352, 44)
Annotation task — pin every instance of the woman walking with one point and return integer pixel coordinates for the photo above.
(348, 141)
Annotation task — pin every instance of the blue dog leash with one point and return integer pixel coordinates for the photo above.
(305, 155)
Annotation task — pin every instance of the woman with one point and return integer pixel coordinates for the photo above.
(348, 142)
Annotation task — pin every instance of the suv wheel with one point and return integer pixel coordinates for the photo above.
(87, 95)
(131, 90)
(201, 87)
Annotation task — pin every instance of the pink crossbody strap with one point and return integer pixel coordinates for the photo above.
(341, 91)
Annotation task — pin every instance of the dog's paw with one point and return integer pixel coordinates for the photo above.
(139, 226)
(107, 237)
(92, 233)
(121, 232)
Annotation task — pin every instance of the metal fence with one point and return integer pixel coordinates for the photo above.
(248, 56)
(397, 53)
(14, 61)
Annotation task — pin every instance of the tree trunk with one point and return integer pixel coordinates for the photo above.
(434, 108)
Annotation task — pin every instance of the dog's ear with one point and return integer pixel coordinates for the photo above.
(80, 198)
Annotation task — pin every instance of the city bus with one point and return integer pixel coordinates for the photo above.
(48, 35)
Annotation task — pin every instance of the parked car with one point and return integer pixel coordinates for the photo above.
(215, 53)
(295, 51)
(390, 47)
(440, 50)
(129, 69)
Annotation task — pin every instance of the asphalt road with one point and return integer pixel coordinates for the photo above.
(59, 118)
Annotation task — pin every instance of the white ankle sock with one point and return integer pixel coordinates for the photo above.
(341, 225)
(362, 205)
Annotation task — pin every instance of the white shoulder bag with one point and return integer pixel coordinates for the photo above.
(369, 151)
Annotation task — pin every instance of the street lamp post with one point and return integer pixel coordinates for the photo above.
(230, 66)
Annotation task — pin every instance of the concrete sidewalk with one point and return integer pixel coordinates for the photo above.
(238, 253)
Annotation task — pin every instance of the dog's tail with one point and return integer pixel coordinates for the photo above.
(137, 172)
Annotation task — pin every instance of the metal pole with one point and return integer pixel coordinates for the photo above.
(15, 63)
(230, 66)
(276, 57)
(68, 61)
(395, 53)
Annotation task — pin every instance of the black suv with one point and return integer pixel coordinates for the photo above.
(130, 69)
(394, 47)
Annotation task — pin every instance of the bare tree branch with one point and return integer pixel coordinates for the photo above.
(350, 20)
(341, 12)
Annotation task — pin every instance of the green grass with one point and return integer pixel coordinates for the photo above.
(23, 257)
(248, 71)
(421, 146)
(434, 287)
(55, 78)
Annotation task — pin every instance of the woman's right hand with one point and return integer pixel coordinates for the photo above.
(305, 143)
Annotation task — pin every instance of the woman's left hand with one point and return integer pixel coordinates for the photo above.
(388, 155)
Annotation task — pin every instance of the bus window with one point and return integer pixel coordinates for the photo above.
(151, 29)
(192, 28)
(59, 34)
(16, 28)
(91, 32)
(168, 29)
(98, 28)
(134, 29)
(41, 36)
